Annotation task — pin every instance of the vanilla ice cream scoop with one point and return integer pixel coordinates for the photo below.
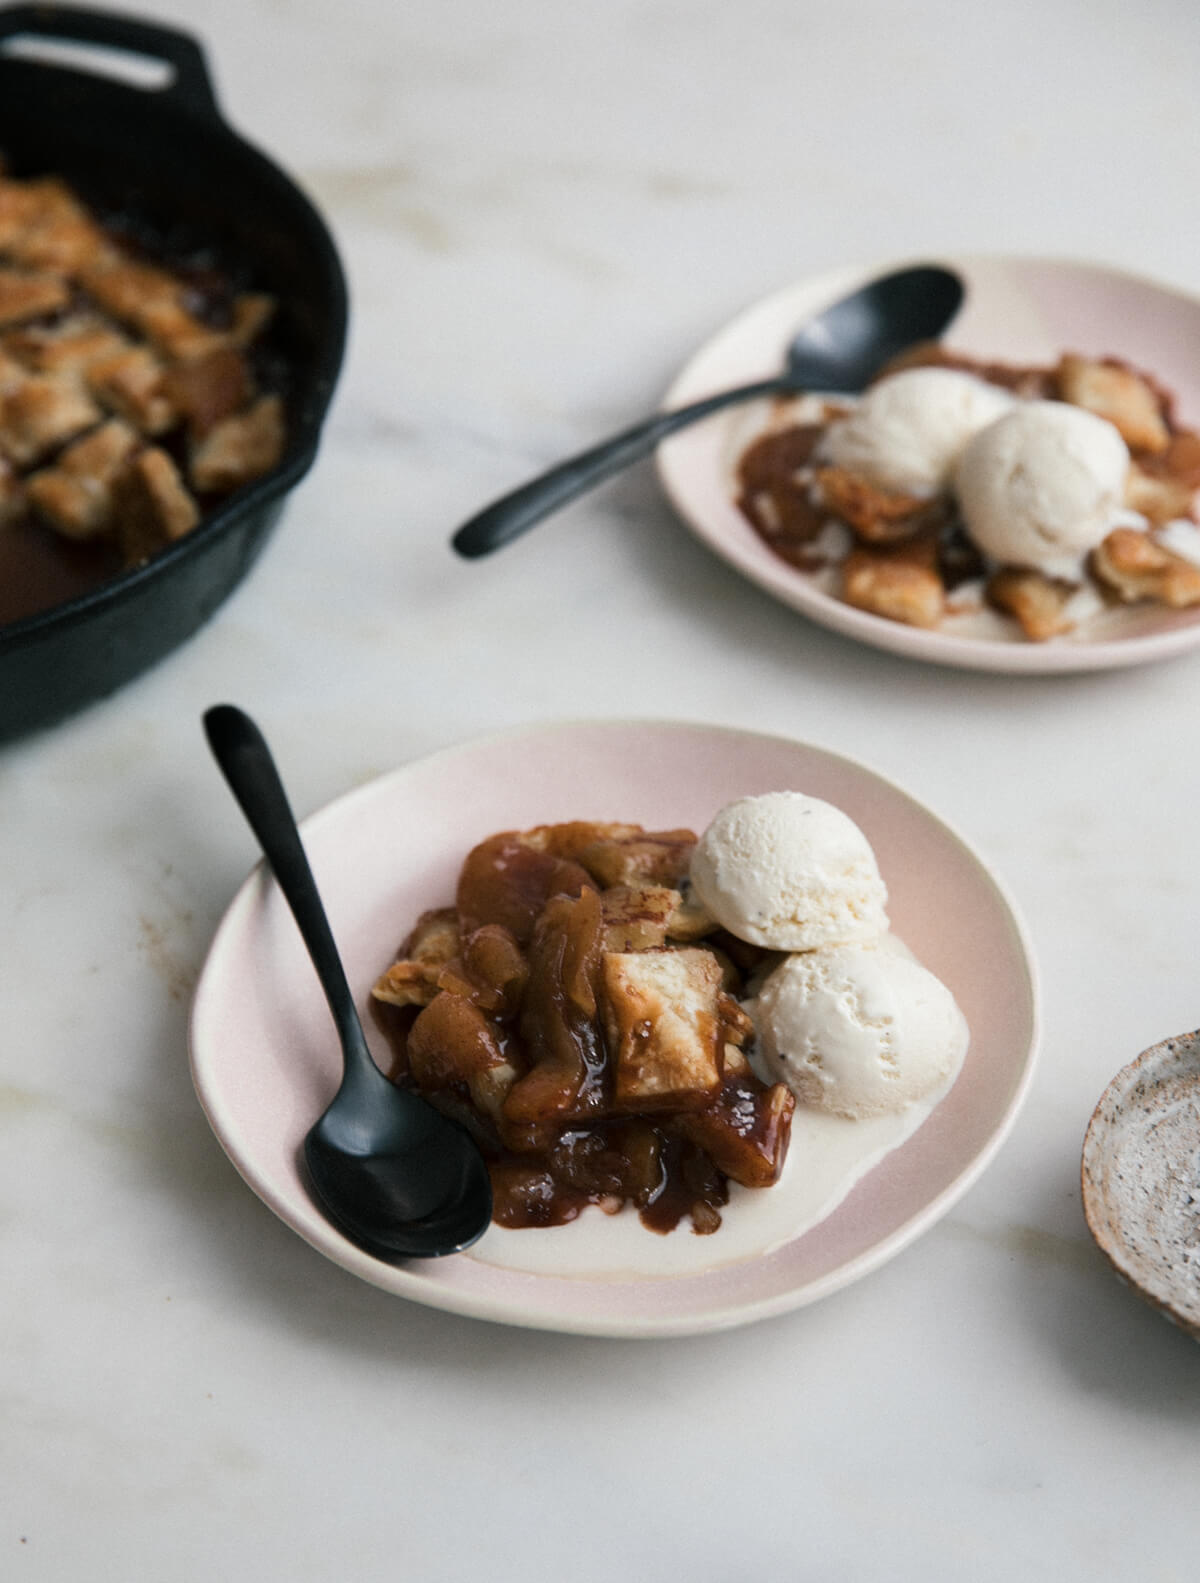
(859, 1030)
(789, 872)
(1042, 486)
(908, 430)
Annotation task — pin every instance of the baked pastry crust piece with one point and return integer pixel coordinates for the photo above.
(901, 584)
(40, 412)
(65, 346)
(412, 980)
(662, 1025)
(152, 506)
(129, 382)
(1136, 568)
(1111, 390)
(76, 494)
(1037, 602)
(240, 448)
(30, 294)
(874, 514)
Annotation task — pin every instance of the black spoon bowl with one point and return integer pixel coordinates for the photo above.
(839, 352)
(393, 1174)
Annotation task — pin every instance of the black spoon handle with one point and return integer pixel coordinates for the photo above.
(240, 749)
(510, 516)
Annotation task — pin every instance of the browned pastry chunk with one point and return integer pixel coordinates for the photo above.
(639, 857)
(1038, 603)
(19, 205)
(636, 917)
(240, 448)
(127, 289)
(130, 383)
(662, 1027)
(690, 921)
(901, 585)
(149, 299)
(75, 495)
(1164, 486)
(177, 333)
(1157, 495)
(66, 346)
(182, 337)
(30, 294)
(1113, 391)
(59, 234)
(151, 505)
(209, 388)
(571, 839)
(43, 224)
(40, 413)
(876, 516)
(412, 980)
(1136, 568)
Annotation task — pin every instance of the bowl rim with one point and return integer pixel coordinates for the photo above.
(1096, 1205)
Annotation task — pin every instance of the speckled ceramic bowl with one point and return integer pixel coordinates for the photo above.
(1141, 1177)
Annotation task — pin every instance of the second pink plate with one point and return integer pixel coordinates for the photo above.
(1016, 310)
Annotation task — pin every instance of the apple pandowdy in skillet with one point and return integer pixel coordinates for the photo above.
(136, 391)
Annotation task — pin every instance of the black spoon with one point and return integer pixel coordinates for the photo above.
(840, 350)
(391, 1172)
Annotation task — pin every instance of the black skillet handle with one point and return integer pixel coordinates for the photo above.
(191, 85)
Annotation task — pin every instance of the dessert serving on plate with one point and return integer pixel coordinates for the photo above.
(851, 1192)
(636, 1019)
(1020, 316)
(957, 487)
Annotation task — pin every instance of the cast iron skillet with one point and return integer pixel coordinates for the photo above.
(165, 154)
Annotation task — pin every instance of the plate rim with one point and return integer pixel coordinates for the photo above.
(407, 1283)
(791, 588)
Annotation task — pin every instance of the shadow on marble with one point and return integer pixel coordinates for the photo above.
(1111, 1343)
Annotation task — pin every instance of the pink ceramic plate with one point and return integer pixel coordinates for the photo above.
(264, 1058)
(1016, 310)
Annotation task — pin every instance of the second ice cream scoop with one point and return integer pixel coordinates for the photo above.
(1042, 486)
(859, 1030)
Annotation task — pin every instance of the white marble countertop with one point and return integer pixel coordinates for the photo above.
(542, 209)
